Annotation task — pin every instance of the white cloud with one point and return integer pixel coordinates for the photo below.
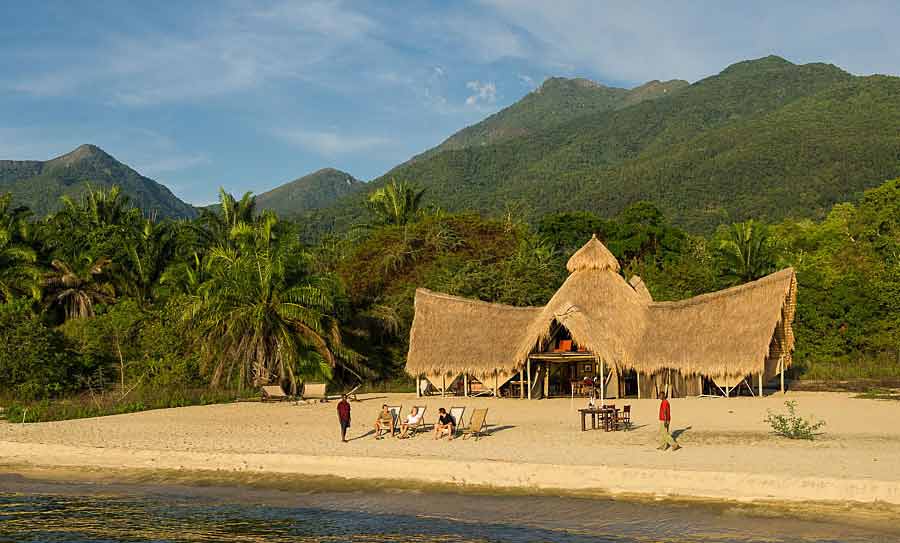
(527, 80)
(331, 143)
(484, 93)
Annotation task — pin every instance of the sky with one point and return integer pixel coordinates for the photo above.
(250, 95)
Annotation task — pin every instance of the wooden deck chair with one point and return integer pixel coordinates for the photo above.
(476, 424)
(273, 393)
(314, 391)
(419, 426)
(457, 414)
(395, 410)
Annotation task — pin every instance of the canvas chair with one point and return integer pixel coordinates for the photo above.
(273, 393)
(420, 426)
(396, 411)
(314, 391)
(457, 414)
(476, 424)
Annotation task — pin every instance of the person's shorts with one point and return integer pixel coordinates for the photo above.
(345, 424)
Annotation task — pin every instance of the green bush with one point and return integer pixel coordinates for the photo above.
(793, 426)
(34, 361)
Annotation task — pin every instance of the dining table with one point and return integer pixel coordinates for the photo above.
(600, 416)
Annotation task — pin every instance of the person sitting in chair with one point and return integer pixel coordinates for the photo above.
(414, 417)
(385, 421)
(445, 424)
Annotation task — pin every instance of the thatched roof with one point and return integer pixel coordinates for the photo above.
(593, 256)
(729, 332)
(638, 285)
(453, 335)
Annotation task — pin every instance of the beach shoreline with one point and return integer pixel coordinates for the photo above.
(537, 448)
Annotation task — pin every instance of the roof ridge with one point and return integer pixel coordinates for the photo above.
(730, 291)
(474, 301)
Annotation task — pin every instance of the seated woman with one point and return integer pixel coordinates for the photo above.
(445, 424)
(385, 421)
(414, 417)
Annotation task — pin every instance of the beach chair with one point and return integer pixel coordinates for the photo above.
(420, 426)
(395, 410)
(476, 424)
(457, 414)
(314, 391)
(273, 393)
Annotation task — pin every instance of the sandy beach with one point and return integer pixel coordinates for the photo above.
(728, 451)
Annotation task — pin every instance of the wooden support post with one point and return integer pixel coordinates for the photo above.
(529, 378)
(496, 384)
(761, 382)
(443, 385)
(546, 379)
(781, 371)
(521, 386)
(418, 386)
(602, 383)
(466, 385)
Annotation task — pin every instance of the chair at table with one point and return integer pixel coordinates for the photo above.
(625, 419)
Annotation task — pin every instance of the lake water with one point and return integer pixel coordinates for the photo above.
(92, 512)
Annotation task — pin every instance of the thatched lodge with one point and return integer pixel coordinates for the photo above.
(600, 328)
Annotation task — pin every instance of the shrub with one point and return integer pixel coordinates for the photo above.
(792, 425)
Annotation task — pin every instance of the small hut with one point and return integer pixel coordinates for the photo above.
(601, 330)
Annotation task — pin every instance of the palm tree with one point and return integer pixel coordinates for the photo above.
(254, 322)
(100, 207)
(746, 252)
(78, 288)
(216, 224)
(18, 272)
(148, 258)
(396, 203)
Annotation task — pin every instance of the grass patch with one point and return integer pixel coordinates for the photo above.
(99, 405)
(879, 393)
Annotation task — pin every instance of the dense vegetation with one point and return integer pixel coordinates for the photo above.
(39, 185)
(314, 191)
(101, 303)
(764, 139)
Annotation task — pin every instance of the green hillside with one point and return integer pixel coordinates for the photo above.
(557, 101)
(763, 139)
(40, 184)
(313, 191)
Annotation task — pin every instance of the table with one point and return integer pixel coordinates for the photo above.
(606, 416)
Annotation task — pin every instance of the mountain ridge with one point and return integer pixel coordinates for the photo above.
(40, 184)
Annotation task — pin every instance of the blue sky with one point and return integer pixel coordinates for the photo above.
(249, 95)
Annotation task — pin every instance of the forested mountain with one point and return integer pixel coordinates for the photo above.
(556, 101)
(40, 184)
(316, 190)
(762, 139)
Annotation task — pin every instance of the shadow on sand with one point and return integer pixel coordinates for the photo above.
(677, 433)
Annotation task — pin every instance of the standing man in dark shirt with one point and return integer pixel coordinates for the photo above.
(343, 409)
(665, 417)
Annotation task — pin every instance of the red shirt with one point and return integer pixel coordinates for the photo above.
(343, 409)
(665, 413)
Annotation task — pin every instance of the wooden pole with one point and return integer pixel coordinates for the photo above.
(521, 387)
(760, 382)
(418, 386)
(638, 375)
(443, 385)
(546, 379)
(602, 382)
(496, 384)
(466, 385)
(529, 378)
(781, 371)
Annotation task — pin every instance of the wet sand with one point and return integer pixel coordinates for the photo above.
(728, 453)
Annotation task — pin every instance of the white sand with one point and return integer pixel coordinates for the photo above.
(728, 451)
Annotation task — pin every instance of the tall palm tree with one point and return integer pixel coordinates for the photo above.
(147, 259)
(215, 224)
(396, 203)
(100, 207)
(746, 251)
(19, 273)
(77, 288)
(254, 322)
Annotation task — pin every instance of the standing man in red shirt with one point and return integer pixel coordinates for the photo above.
(665, 416)
(343, 409)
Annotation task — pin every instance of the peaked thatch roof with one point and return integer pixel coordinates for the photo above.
(593, 256)
(638, 285)
(730, 332)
